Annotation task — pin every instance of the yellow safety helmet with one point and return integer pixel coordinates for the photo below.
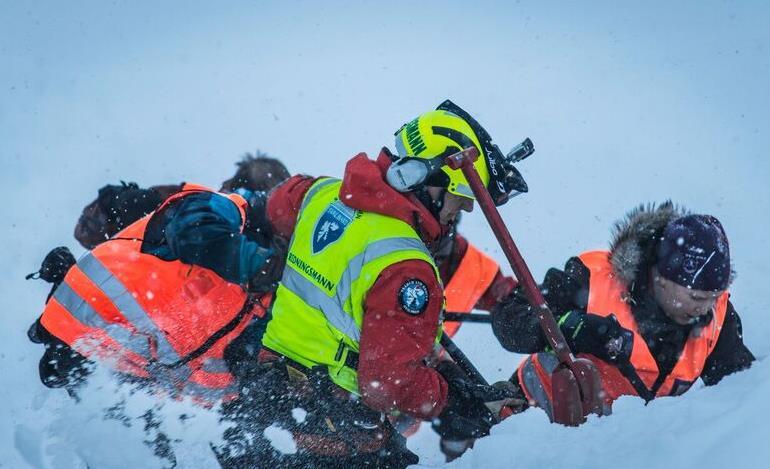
(423, 143)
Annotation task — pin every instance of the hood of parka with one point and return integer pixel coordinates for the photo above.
(635, 236)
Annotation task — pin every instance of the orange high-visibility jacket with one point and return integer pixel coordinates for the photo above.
(642, 377)
(165, 321)
(468, 284)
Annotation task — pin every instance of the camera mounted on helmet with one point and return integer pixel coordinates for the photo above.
(505, 180)
(424, 143)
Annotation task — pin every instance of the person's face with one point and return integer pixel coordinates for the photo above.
(453, 205)
(681, 304)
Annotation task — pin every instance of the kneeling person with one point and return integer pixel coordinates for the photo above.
(164, 301)
(653, 312)
(358, 310)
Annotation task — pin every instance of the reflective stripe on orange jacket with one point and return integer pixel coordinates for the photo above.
(162, 320)
(468, 284)
(606, 296)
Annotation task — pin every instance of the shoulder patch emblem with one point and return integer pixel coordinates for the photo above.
(330, 225)
(413, 296)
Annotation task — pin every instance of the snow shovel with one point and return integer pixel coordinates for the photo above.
(505, 400)
(576, 385)
(462, 360)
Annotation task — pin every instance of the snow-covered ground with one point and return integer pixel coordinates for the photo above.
(625, 104)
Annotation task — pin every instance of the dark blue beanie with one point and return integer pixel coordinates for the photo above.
(694, 252)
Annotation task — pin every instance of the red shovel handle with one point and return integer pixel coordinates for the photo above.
(576, 385)
(464, 161)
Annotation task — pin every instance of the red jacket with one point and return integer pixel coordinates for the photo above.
(391, 371)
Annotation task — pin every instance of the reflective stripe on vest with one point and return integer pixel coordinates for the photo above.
(141, 340)
(131, 310)
(318, 310)
(83, 312)
(333, 307)
(170, 323)
(468, 284)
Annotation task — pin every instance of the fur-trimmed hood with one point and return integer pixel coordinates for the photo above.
(634, 237)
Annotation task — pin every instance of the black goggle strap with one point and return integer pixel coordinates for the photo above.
(492, 153)
(481, 133)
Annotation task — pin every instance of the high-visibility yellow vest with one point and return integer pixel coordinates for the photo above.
(335, 256)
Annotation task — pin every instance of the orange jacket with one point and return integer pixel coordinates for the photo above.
(605, 298)
(642, 377)
(165, 321)
(469, 282)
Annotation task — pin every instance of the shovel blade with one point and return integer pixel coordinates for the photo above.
(577, 392)
(590, 385)
(567, 401)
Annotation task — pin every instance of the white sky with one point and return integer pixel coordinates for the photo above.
(625, 104)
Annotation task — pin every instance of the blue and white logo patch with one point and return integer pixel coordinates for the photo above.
(413, 296)
(331, 225)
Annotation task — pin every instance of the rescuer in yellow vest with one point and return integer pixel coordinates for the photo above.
(358, 310)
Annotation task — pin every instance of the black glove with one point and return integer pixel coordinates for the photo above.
(258, 226)
(269, 274)
(55, 265)
(467, 414)
(602, 337)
